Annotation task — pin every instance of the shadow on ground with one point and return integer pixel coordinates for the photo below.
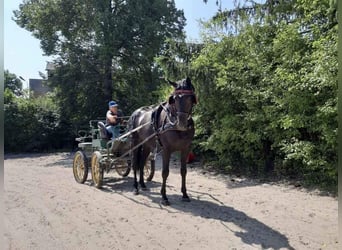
(205, 205)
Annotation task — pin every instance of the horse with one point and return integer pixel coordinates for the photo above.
(168, 125)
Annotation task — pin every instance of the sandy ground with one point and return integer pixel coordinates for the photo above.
(46, 209)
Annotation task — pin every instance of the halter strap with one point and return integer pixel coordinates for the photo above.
(183, 91)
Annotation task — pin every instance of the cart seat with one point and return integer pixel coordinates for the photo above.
(103, 131)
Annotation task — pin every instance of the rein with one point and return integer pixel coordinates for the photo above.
(169, 115)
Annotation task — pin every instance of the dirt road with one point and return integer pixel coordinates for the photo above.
(46, 209)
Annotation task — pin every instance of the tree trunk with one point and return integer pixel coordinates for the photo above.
(268, 156)
(108, 83)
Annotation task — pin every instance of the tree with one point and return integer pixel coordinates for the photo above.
(103, 49)
(176, 56)
(13, 83)
(31, 124)
(272, 71)
(126, 32)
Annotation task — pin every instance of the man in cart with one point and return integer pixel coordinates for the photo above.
(111, 129)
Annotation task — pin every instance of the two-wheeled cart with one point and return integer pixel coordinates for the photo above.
(102, 155)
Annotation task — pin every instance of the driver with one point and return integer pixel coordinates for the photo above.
(113, 119)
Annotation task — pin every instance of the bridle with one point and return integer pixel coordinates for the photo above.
(180, 93)
(183, 92)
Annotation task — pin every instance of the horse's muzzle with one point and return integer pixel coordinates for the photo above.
(182, 121)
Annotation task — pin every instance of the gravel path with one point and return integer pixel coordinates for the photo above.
(46, 209)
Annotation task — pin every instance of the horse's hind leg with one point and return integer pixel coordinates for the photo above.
(135, 168)
(183, 172)
(144, 153)
(165, 174)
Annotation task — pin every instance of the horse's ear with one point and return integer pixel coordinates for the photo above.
(171, 99)
(172, 83)
(188, 82)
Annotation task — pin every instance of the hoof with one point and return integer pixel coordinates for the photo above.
(165, 202)
(136, 192)
(144, 188)
(185, 199)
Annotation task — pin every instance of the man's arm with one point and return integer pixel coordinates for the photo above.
(111, 118)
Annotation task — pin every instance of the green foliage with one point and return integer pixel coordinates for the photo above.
(13, 83)
(32, 124)
(104, 50)
(268, 92)
(265, 77)
(175, 58)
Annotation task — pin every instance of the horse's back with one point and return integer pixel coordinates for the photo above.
(142, 117)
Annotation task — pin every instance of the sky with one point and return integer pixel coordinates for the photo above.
(24, 57)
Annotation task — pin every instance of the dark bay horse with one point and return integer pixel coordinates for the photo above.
(168, 124)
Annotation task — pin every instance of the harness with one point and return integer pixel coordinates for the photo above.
(169, 122)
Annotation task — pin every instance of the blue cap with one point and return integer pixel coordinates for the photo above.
(112, 104)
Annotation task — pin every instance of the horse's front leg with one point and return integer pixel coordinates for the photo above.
(165, 174)
(183, 171)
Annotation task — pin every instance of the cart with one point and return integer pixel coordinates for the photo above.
(103, 155)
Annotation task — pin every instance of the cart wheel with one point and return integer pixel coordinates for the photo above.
(123, 168)
(80, 167)
(96, 169)
(149, 169)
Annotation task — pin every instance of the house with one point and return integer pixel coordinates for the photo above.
(50, 67)
(38, 87)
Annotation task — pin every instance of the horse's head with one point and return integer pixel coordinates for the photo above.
(183, 99)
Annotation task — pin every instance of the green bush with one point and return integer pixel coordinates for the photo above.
(34, 125)
(268, 100)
